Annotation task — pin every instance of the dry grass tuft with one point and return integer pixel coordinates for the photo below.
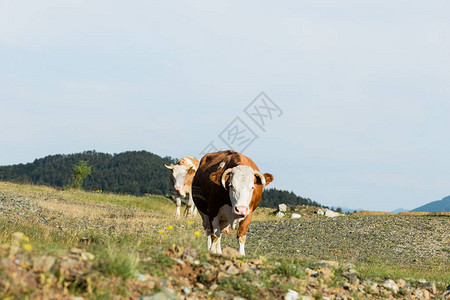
(424, 213)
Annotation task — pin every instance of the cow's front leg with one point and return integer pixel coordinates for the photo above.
(215, 236)
(208, 239)
(178, 212)
(192, 212)
(241, 240)
(207, 227)
(242, 233)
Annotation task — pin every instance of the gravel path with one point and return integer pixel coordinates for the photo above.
(417, 240)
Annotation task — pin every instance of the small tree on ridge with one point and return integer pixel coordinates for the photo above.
(80, 172)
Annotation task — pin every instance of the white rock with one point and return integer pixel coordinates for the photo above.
(331, 214)
(280, 214)
(320, 212)
(291, 295)
(140, 277)
(390, 284)
(295, 216)
(186, 290)
(282, 207)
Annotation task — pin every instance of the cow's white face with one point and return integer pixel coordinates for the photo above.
(178, 176)
(240, 188)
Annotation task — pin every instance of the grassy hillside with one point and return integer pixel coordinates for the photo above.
(95, 245)
(435, 206)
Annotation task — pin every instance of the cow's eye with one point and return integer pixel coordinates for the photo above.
(252, 188)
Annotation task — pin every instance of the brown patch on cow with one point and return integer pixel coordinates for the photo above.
(214, 238)
(216, 177)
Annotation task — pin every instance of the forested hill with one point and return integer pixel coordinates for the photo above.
(132, 172)
(272, 197)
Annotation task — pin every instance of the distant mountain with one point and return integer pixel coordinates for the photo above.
(131, 172)
(436, 206)
(399, 210)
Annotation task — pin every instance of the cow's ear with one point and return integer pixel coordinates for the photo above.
(216, 177)
(268, 177)
(191, 171)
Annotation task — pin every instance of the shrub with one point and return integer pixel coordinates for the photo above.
(119, 262)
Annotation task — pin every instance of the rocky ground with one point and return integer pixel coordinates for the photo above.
(72, 248)
(185, 274)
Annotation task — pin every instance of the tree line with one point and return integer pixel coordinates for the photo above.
(132, 172)
(272, 197)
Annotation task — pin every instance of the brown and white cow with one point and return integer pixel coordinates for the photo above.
(181, 178)
(227, 188)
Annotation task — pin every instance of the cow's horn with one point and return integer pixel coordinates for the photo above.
(193, 167)
(169, 167)
(261, 176)
(192, 164)
(227, 171)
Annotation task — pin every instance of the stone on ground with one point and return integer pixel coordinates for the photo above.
(291, 295)
(279, 214)
(282, 207)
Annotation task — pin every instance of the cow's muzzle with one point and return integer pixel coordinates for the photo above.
(241, 210)
(177, 188)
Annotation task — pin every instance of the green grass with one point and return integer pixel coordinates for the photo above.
(240, 286)
(158, 264)
(119, 261)
(379, 272)
(39, 234)
(290, 268)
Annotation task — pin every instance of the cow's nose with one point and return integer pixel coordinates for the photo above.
(177, 188)
(241, 210)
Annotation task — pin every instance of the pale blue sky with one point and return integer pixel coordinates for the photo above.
(364, 87)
